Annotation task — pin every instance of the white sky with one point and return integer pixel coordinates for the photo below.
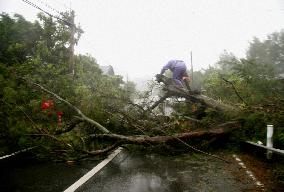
(137, 37)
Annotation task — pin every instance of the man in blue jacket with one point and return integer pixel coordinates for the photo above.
(178, 69)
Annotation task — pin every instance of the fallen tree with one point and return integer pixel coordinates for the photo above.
(220, 131)
(114, 140)
(171, 90)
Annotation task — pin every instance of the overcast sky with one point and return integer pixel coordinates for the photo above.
(137, 37)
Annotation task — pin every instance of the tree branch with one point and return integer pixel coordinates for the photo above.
(158, 102)
(102, 151)
(51, 137)
(70, 127)
(192, 119)
(235, 90)
(82, 117)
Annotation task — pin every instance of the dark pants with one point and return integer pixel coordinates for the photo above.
(178, 73)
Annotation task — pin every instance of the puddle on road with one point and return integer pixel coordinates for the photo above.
(139, 172)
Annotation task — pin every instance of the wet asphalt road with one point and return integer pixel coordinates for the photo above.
(140, 172)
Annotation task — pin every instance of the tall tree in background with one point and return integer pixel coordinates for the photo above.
(256, 77)
(255, 82)
(269, 52)
(39, 52)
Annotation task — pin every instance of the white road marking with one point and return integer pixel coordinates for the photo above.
(91, 173)
(15, 153)
(249, 173)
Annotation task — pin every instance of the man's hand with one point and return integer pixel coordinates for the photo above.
(186, 79)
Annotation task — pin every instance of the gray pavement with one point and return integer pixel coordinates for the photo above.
(140, 172)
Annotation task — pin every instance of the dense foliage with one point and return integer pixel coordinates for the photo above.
(254, 83)
(39, 52)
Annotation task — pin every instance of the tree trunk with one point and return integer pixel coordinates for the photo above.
(173, 90)
(218, 132)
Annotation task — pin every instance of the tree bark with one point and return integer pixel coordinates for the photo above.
(221, 131)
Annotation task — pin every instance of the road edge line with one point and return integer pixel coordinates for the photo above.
(248, 172)
(91, 173)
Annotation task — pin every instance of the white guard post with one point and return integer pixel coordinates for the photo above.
(269, 141)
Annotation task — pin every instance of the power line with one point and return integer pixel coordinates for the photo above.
(73, 29)
(56, 17)
(48, 6)
(51, 15)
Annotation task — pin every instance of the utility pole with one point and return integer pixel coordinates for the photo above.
(191, 65)
(126, 82)
(72, 43)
